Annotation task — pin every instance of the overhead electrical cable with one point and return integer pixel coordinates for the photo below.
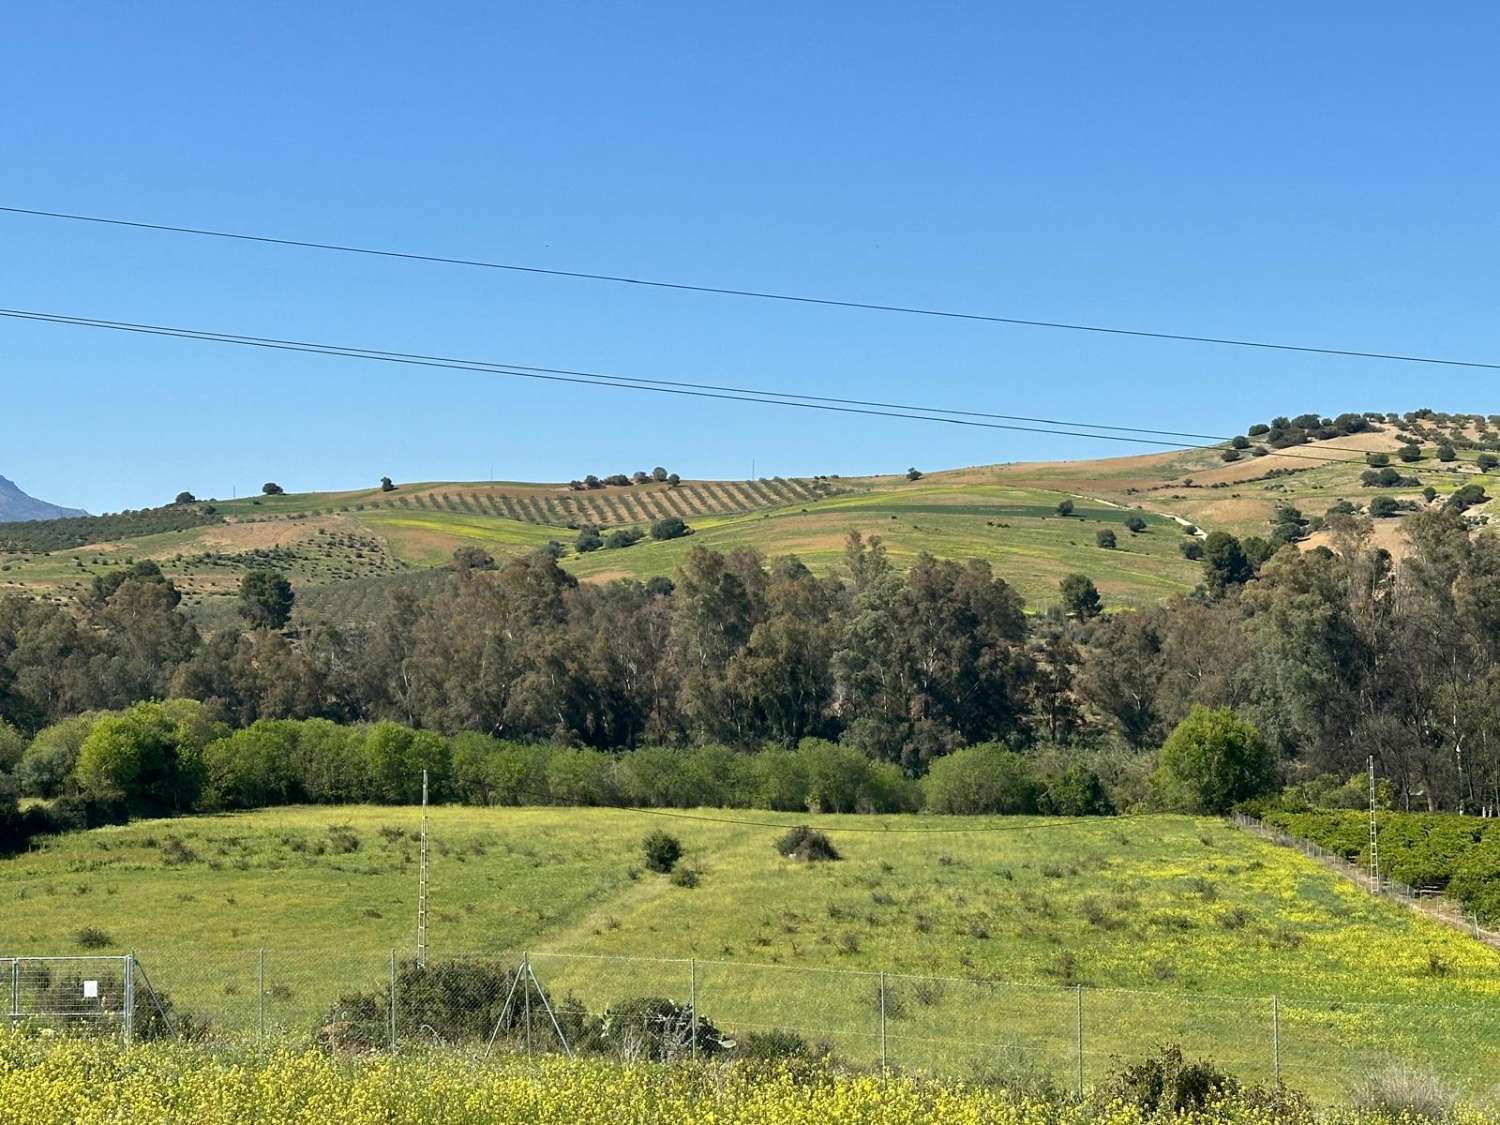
(757, 294)
(624, 382)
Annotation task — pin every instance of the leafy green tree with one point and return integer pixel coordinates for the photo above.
(658, 474)
(1409, 453)
(588, 540)
(1212, 760)
(1224, 563)
(1240, 442)
(1081, 597)
(387, 485)
(673, 479)
(1105, 538)
(913, 474)
(622, 537)
(1192, 549)
(1382, 507)
(1065, 507)
(1486, 462)
(986, 779)
(266, 599)
(1377, 460)
(1446, 452)
(185, 497)
(669, 527)
(1135, 524)
(271, 488)
(1230, 455)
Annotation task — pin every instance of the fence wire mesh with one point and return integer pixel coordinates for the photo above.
(638, 1007)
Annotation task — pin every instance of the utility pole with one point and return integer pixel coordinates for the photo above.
(422, 884)
(1374, 833)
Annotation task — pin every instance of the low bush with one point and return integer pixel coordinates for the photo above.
(807, 844)
(1167, 1084)
(661, 852)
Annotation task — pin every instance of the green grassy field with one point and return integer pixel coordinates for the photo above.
(1176, 928)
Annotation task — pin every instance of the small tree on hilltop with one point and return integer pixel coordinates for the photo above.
(1213, 760)
(185, 498)
(1081, 597)
(914, 474)
(658, 474)
(271, 488)
(387, 485)
(673, 479)
(266, 599)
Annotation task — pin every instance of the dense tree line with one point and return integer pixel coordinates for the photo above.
(1329, 655)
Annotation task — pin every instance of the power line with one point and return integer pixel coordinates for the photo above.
(624, 382)
(757, 294)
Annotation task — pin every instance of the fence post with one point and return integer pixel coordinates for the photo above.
(882, 1022)
(15, 993)
(129, 999)
(1276, 1036)
(526, 984)
(1078, 990)
(260, 990)
(693, 1001)
(393, 1000)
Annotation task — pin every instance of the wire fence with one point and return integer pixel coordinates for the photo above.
(661, 1008)
(1431, 903)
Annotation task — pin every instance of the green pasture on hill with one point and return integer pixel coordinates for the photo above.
(1176, 929)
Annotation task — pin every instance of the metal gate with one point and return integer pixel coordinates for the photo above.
(82, 996)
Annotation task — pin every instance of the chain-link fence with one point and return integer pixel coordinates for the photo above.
(98, 995)
(638, 1007)
(1428, 902)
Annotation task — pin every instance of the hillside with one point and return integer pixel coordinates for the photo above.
(1177, 929)
(338, 546)
(16, 506)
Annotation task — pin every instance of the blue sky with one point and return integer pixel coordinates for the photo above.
(1313, 173)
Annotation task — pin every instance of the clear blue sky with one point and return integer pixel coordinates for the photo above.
(1315, 173)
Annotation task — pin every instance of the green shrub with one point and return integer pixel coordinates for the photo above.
(807, 844)
(983, 779)
(1166, 1084)
(1212, 760)
(655, 1029)
(661, 852)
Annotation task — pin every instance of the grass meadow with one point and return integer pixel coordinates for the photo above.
(1158, 928)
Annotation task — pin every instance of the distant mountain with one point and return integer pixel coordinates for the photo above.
(17, 507)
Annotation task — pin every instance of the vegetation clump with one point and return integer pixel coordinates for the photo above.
(661, 852)
(807, 844)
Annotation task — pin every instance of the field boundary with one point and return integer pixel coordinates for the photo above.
(1436, 906)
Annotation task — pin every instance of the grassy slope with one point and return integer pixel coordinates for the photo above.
(1001, 513)
(1186, 912)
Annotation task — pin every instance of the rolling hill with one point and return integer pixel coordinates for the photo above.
(339, 547)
